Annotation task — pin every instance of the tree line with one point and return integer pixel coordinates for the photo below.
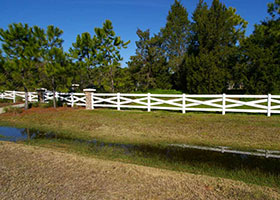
(32, 57)
(207, 53)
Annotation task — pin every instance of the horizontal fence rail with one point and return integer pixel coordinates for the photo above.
(32, 96)
(72, 99)
(268, 104)
(184, 102)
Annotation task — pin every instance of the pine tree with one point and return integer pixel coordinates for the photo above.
(1, 66)
(23, 47)
(176, 35)
(56, 71)
(2, 72)
(149, 67)
(261, 60)
(216, 32)
(83, 55)
(108, 53)
(96, 58)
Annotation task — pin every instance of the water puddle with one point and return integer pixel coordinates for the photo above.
(13, 134)
(171, 155)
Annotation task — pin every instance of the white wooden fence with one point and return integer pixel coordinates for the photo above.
(72, 99)
(182, 102)
(32, 96)
(268, 104)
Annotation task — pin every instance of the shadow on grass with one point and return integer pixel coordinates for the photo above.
(249, 169)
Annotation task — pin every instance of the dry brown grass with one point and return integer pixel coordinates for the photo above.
(36, 173)
(241, 131)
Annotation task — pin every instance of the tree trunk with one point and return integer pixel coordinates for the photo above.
(112, 79)
(26, 99)
(54, 99)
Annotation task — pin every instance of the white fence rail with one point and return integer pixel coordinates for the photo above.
(71, 99)
(32, 96)
(182, 102)
(268, 104)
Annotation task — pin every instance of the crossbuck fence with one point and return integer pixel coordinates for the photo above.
(268, 104)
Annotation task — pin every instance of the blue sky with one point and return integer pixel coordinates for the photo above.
(78, 16)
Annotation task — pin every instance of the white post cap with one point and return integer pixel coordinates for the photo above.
(89, 90)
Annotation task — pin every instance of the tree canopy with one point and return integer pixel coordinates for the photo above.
(206, 52)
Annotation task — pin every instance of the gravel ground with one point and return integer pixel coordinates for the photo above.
(28, 172)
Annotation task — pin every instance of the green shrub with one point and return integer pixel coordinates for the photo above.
(49, 104)
(35, 104)
(19, 99)
(14, 110)
(5, 101)
(59, 103)
(162, 91)
(159, 91)
(45, 105)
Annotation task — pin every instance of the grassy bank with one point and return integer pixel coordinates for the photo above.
(251, 170)
(49, 174)
(149, 133)
(137, 127)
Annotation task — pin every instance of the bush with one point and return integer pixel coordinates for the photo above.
(158, 91)
(49, 104)
(19, 99)
(59, 103)
(14, 110)
(161, 91)
(5, 101)
(35, 104)
(44, 105)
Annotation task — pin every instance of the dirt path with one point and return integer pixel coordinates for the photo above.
(37, 173)
(15, 106)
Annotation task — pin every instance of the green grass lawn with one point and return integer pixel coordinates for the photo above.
(151, 132)
(242, 131)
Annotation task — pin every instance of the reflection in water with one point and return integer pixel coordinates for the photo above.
(201, 159)
(20, 134)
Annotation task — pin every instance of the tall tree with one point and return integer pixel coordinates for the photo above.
(108, 53)
(216, 33)
(23, 46)
(55, 70)
(149, 67)
(176, 35)
(2, 71)
(97, 57)
(261, 50)
(83, 55)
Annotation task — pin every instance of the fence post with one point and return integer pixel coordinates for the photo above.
(149, 102)
(269, 105)
(224, 104)
(72, 100)
(89, 98)
(14, 96)
(92, 100)
(118, 101)
(184, 104)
